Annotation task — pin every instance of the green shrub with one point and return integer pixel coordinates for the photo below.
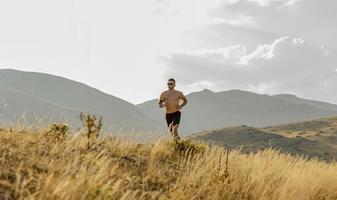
(57, 132)
(187, 146)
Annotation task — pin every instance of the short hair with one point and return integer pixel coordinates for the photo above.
(172, 79)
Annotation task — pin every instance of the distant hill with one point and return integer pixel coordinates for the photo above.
(61, 98)
(312, 138)
(316, 104)
(15, 103)
(210, 110)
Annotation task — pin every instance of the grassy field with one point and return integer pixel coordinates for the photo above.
(45, 166)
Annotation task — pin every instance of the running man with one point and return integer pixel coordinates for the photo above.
(170, 99)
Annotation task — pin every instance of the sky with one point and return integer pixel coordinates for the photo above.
(129, 48)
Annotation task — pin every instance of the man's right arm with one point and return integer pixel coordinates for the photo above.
(161, 101)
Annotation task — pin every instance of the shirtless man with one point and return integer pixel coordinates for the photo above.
(170, 99)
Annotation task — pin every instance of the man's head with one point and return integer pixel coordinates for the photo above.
(171, 83)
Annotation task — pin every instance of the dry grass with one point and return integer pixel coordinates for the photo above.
(34, 167)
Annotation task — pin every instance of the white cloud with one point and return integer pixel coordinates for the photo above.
(310, 20)
(232, 53)
(266, 3)
(287, 65)
(265, 51)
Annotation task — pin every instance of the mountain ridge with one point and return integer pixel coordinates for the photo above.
(70, 96)
(207, 109)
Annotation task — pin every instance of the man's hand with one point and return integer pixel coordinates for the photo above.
(182, 96)
(179, 107)
(161, 102)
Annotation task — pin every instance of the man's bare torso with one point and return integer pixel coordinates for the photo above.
(171, 99)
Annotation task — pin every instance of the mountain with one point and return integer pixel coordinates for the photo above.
(39, 94)
(61, 98)
(316, 104)
(15, 103)
(308, 138)
(210, 110)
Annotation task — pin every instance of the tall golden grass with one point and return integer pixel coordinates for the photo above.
(33, 166)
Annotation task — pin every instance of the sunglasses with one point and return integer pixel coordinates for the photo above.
(169, 83)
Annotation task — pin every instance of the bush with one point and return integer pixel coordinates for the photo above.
(186, 146)
(93, 127)
(57, 132)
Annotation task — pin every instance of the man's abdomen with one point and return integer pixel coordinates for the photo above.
(171, 109)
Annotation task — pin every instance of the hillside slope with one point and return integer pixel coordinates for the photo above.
(13, 108)
(315, 138)
(44, 93)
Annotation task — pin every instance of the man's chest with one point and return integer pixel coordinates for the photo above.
(171, 96)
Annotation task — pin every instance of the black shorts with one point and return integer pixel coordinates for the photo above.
(173, 117)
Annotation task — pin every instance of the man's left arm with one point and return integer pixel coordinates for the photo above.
(182, 96)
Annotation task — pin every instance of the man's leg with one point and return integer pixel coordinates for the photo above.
(169, 122)
(170, 127)
(175, 131)
(176, 122)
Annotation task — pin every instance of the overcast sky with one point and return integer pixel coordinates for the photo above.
(129, 48)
